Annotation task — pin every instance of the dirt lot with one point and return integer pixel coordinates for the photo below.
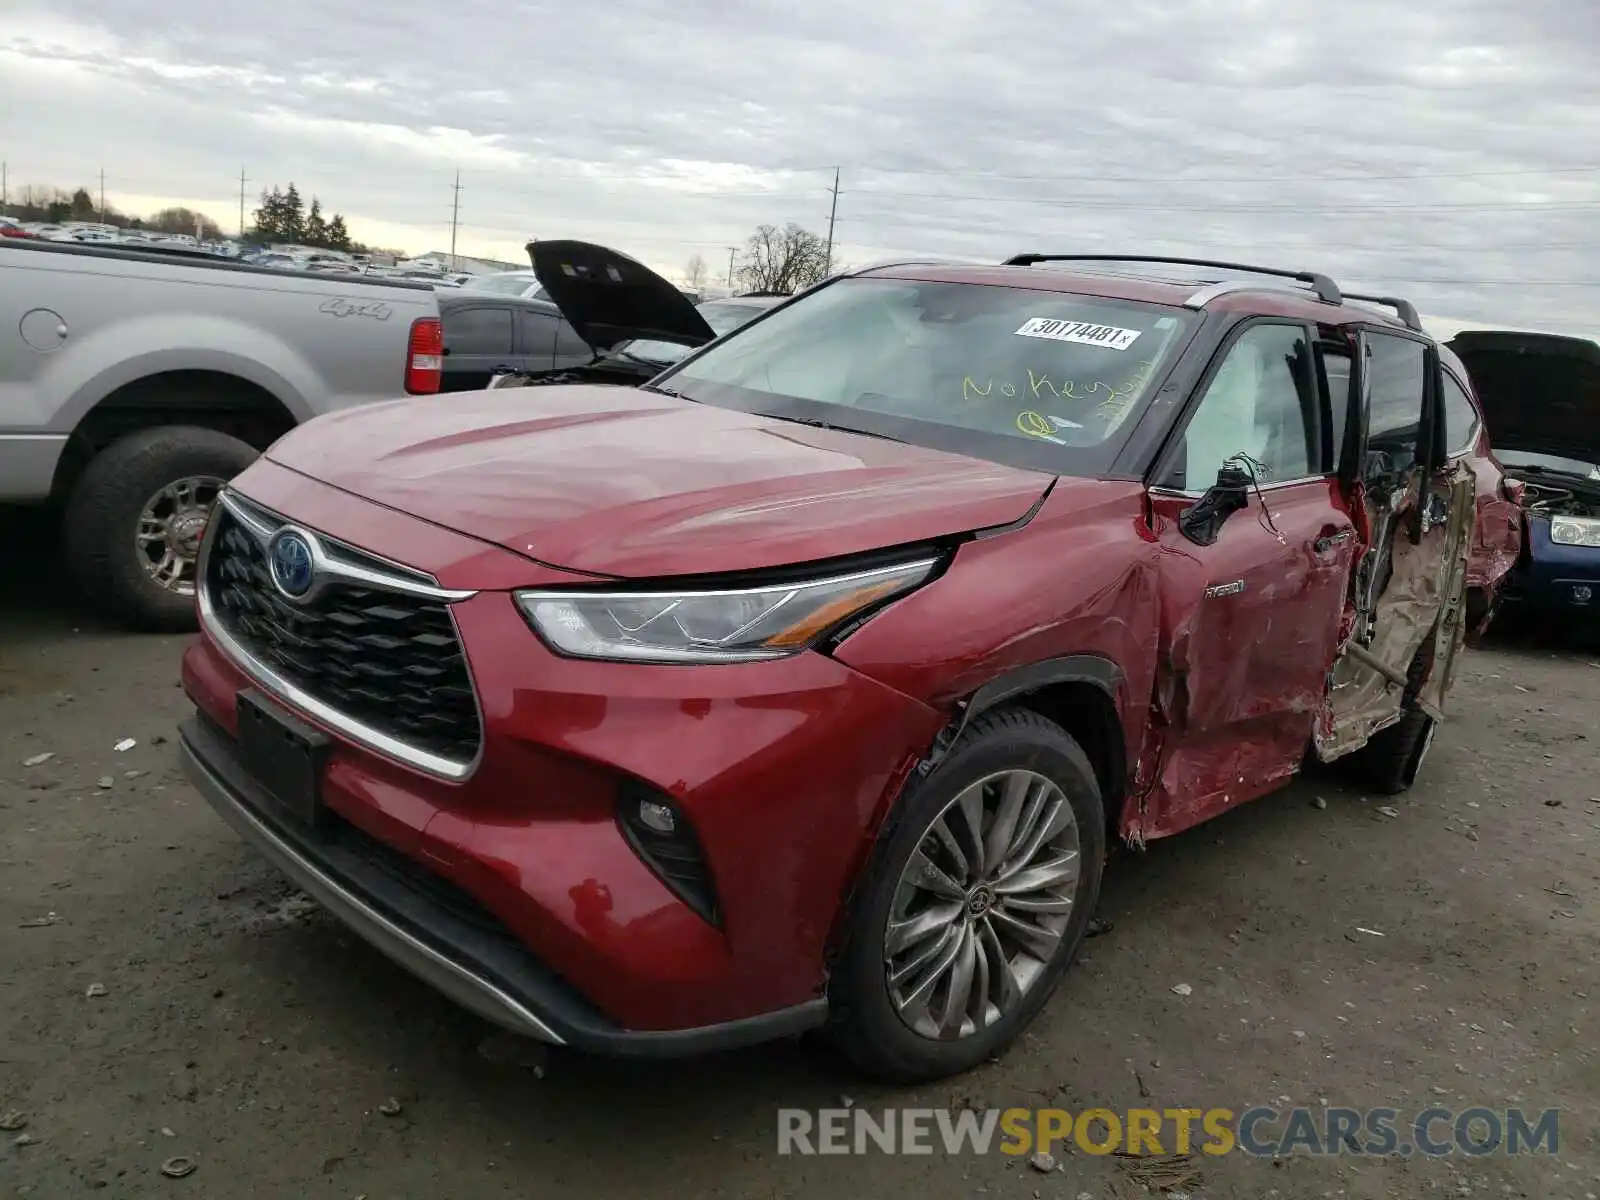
(240, 1027)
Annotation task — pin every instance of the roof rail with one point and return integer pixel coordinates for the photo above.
(1211, 291)
(1325, 288)
(1406, 309)
(880, 264)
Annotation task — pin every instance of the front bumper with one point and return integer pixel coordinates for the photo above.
(448, 945)
(783, 771)
(1553, 578)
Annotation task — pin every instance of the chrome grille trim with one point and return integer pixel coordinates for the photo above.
(261, 523)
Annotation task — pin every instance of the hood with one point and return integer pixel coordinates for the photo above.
(1540, 392)
(609, 298)
(621, 482)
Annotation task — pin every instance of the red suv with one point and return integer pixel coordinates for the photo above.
(805, 684)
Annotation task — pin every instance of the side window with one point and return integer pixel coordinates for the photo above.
(478, 331)
(1396, 371)
(569, 344)
(1460, 418)
(536, 333)
(1262, 403)
(1336, 371)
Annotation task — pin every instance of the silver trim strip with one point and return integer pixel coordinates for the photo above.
(331, 565)
(1211, 291)
(263, 675)
(1265, 487)
(372, 739)
(448, 976)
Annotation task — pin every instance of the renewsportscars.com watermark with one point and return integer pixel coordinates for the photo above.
(1262, 1131)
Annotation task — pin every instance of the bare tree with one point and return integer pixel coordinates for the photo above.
(694, 274)
(782, 260)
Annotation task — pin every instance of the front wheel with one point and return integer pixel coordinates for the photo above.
(977, 899)
(136, 516)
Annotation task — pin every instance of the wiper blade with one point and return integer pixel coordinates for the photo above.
(816, 424)
(657, 388)
(1559, 472)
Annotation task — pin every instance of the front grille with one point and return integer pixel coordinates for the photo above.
(388, 660)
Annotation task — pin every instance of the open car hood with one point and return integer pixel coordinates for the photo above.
(1540, 392)
(610, 298)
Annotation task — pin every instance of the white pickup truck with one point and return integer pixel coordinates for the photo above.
(135, 382)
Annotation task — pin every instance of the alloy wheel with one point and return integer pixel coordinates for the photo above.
(982, 905)
(171, 526)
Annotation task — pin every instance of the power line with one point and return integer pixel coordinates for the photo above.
(1302, 177)
(1209, 207)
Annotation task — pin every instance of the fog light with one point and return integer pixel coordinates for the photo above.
(656, 816)
(663, 837)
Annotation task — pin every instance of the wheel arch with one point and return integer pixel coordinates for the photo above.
(1080, 693)
(209, 398)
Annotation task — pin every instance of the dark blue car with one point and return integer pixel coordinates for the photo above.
(1541, 398)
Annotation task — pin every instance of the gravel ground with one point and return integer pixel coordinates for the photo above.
(163, 993)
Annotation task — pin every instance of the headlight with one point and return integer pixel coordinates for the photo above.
(1575, 531)
(725, 625)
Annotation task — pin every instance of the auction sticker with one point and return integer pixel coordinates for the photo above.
(1085, 334)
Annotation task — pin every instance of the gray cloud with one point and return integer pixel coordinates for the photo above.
(1446, 150)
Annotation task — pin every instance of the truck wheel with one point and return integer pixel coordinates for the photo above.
(976, 899)
(135, 518)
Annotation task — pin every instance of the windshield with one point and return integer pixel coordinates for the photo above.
(1548, 462)
(1001, 372)
(501, 285)
(723, 316)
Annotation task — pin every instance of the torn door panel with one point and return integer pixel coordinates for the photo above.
(1248, 630)
(1454, 565)
(1407, 590)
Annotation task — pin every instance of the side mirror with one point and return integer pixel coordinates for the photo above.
(1202, 521)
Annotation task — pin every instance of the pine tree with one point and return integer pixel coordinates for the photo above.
(316, 230)
(293, 216)
(338, 235)
(269, 217)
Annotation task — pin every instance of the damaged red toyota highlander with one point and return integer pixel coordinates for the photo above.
(805, 685)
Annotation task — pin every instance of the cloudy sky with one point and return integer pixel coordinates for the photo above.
(1448, 148)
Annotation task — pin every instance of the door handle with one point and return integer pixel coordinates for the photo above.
(1328, 541)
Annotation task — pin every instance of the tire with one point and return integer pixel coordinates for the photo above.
(864, 1021)
(1391, 759)
(103, 520)
(1389, 762)
(1480, 615)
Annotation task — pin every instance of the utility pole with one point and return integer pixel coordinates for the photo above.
(731, 251)
(833, 211)
(5, 194)
(242, 182)
(455, 213)
(102, 195)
